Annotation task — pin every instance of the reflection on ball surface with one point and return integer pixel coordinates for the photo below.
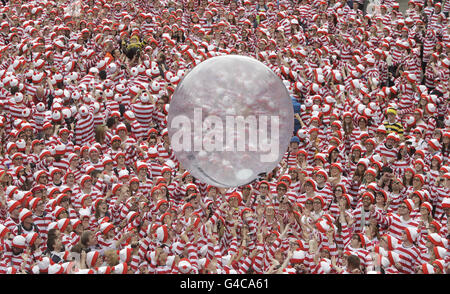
(230, 119)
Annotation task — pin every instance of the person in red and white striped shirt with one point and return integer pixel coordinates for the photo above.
(397, 222)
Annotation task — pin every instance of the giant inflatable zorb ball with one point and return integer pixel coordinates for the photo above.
(230, 119)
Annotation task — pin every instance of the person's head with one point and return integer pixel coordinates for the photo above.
(85, 222)
(369, 176)
(355, 242)
(15, 212)
(334, 154)
(246, 190)
(134, 185)
(339, 191)
(270, 211)
(417, 182)
(271, 237)
(309, 186)
(380, 197)
(293, 173)
(353, 262)
(40, 207)
(335, 171)
(309, 204)
(111, 257)
(367, 199)
(392, 115)
(101, 208)
(301, 157)
(318, 203)
(293, 146)
(361, 168)
(325, 252)
(320, 177)
(88, 238)
(362, 122)
(281, 189)
(162, 258)
(234, 200)
(43, 179)
(404, 209)
(264, 188)
(28, 221)
(417, 198)
(167, 174)
(356, 153)
(426, 209)
(54, 242)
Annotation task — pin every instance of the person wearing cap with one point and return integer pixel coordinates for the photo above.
(409, 254)
(94, 159)
(440, 202)
(290, 157)
(356, 245)
(323, 187)
(13, 219)
(418, 141)
(361, 211)
(55, 248)
(434, 172)
(388, 150)
(15, 257)
(396, 223)
(115, 145)
(392, 124)
(26, 225)
(107, 177)
(59, 153)
(84, 129)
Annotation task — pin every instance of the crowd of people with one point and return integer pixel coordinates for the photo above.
(90, 184)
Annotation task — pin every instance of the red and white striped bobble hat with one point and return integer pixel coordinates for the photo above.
(440, 263)
(440, 252)
(24, 213)
(410, 204)
(91, 258)
(184, 266)
(55, 269)
(435, 238)
(323, 226)
(434, 143)
(411, 234)
(121, 268)
(298, 256)
(19, 242)
(125, 254)
(83, 111)
(391, 259)
(446, 62)
(106, 227)
(427, 269)
(162, 234)
(324, 266)
(104, 270)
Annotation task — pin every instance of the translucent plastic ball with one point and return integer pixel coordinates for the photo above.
(230, 119)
